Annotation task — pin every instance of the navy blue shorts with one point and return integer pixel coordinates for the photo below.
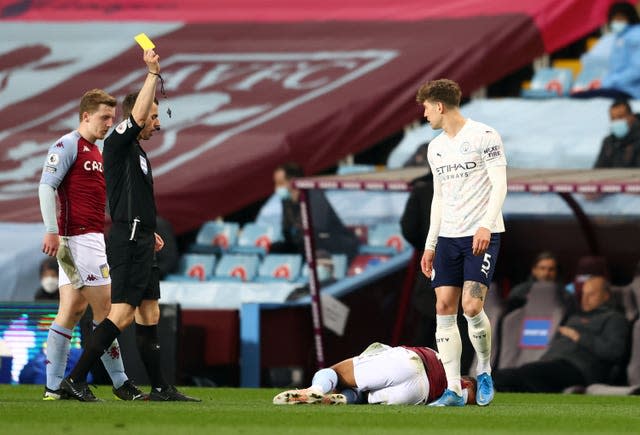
(455, 263)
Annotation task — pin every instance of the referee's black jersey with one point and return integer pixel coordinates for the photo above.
(120, 147)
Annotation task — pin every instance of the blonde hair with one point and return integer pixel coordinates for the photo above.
(91, 101)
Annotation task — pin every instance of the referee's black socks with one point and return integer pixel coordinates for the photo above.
(99, 341)
(149, 349)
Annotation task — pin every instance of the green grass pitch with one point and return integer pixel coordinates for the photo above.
(249, 411)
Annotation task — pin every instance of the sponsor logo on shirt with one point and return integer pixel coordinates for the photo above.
(456, 170)
(492, 153)
(86, 149)
(92, 165)
(59, 145)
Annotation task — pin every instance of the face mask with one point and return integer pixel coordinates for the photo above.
(49, 284)
(283, 192)
(323, 272)
(618, 26)
(619, 128)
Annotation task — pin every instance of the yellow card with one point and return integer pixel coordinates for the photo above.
(144, 41)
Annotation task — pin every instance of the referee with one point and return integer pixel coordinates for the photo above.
(132, 243)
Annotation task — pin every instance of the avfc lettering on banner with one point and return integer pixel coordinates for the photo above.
(92, 165)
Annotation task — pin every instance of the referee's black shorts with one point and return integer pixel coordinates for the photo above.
(134, 271)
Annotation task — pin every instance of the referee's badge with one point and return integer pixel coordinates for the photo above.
(143, 165)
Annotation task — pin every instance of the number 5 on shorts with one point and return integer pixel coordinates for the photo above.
(486, 265)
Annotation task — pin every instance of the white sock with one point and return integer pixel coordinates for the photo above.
(480, 336)
(112, 361)
(58, 346)
(450, 349)
(325, 380)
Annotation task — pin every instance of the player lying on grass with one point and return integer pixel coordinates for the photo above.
(400, 375)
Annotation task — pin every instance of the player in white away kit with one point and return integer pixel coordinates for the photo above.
(470, 184)
(74, 169)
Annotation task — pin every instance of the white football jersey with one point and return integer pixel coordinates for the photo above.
(460, 165)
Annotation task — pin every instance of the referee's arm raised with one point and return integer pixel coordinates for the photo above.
(142, 107)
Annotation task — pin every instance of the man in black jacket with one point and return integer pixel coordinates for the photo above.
(621, 149)
(583, 351)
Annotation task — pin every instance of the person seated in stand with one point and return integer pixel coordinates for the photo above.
(622, 79)
(380, 375)
(48, 290)
(330, 234)
(583, 351)
(543, 269)
(621, 148)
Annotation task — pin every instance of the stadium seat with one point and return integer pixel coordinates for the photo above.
(257, 238)
(527, 331)
(588, 79)
(624, 299)
(237, 267)
(194, 267)
(386, 239)
(280, 267)
(494, 307)
(363, 261)
(215, 237)
(549, 82)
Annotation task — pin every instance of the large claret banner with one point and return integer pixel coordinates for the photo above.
(251, 84)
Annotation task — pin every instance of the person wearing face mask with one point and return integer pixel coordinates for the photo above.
(619, 53)
(48, 290)
(330, 233)
(621, 148)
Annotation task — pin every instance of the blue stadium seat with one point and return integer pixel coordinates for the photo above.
(215, 237)
(363, 261)
(589, 79)
(194, 267)
(257, 238)
(385, 238)
(280, 267)
(236, 267)
(549, 83)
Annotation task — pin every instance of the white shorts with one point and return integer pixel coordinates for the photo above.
(90, 258)
(391, 375)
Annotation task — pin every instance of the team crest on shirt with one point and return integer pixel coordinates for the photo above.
(143, 165)
(53, 159)
(465, 148)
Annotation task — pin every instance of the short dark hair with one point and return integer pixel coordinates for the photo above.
(291, 170)
(128, 103)
(626, 9)
(545, 255)
(49, 263)
(623, 103)
(444, 91)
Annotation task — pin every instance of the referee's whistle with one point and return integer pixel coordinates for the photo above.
(134, 228)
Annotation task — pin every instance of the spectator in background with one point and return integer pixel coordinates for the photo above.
(622, 79)
(48, 290)
(583, 351)
(330, 234)
(544, 268)
(621, 148)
